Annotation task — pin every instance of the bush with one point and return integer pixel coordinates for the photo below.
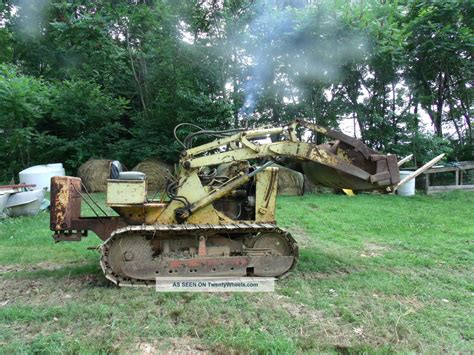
(84, 123)
(68, 122)
(23, 102)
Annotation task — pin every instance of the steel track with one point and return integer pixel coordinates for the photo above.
(163, 230)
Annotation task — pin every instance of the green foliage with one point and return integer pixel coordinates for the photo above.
(440, 69)
(23, 101)
(6, 45)
(427, 146)
(69, 122)
(83, 123)
(112, 79)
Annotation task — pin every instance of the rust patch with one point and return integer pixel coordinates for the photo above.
(65, 201)
(65, 217)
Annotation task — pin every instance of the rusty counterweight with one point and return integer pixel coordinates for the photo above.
(65, 218)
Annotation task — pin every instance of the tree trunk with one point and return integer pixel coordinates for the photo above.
(439, 106)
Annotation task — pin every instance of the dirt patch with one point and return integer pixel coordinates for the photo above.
(29, 268)
(372, 250)
(411, 303)
(25, 292)
(326, 275)
(298, 310)
(396, 331)
(183, 345)
(316, 323)
(45, 291)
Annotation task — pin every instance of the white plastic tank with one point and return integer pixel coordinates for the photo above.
(407, 189)
(40, 175)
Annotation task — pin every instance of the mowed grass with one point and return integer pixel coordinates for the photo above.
(376, 274)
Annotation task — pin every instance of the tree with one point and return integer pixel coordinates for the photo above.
(113, 78)
(439, 60)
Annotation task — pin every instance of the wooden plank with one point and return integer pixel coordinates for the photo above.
(465, 165)
(434, 189)
(443, 169)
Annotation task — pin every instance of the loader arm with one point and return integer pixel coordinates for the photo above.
(346, 155)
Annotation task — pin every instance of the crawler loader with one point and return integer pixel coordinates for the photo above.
(217, 215)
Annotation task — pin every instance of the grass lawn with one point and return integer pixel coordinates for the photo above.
(376, 274)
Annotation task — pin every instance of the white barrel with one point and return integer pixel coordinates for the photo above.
(407, 189)
(40, 175)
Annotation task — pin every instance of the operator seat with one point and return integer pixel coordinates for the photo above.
(117, 173)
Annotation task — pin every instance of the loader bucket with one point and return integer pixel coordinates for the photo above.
(383, 169)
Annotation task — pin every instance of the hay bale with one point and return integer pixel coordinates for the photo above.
(309, 186)
(94, 174)
(156, 173)
(290, 182)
